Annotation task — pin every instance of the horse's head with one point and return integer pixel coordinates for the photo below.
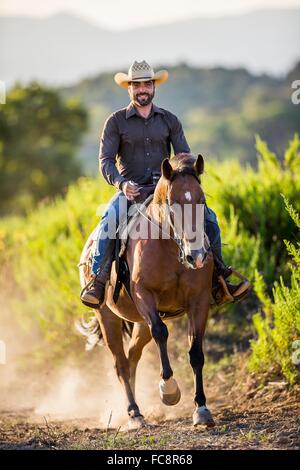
(186, 200)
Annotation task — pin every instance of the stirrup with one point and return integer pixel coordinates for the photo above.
(228, 297)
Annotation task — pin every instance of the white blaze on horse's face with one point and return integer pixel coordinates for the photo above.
(188, 196)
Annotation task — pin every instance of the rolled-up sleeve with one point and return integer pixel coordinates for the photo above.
(109, 146)
(177, 137)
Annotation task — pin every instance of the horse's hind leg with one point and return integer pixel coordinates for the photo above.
(140, 337)
(111, 327)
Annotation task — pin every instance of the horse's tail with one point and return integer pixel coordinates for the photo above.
(92, 331)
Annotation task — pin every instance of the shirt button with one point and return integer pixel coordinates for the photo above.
(148, 154)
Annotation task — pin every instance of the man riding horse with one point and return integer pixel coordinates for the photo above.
(134, 142)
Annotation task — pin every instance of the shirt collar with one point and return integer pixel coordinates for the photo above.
(131, 110)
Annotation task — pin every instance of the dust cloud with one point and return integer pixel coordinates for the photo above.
(87, 390)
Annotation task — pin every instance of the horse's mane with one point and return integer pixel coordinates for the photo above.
(182, 160)
(183, 164)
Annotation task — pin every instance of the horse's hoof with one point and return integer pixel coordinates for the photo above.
(203, 417)
(169, 391)
(136, 422)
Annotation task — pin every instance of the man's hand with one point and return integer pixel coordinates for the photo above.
(130, 189)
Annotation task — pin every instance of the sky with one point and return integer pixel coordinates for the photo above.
(122, 14)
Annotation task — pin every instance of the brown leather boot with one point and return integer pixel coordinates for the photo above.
(223, 291)
(226, 292)
(94, 296)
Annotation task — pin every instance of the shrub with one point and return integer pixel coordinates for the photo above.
(278, 325)
(255, 197)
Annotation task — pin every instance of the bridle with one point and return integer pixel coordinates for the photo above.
(182, 257)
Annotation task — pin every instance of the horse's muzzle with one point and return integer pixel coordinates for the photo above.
(198, 258)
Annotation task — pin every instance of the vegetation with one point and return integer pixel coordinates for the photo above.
(278, 325)
(39, 134)
(42, 251)
(254, 194)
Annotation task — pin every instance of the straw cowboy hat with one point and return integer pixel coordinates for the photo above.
(140, 72)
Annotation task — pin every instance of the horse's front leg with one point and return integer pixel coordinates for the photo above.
(145, 302)
(198, 313)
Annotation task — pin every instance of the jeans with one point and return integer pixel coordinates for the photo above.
(117, 209)
(212, 230)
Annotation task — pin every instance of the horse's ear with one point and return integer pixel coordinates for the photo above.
(166, 169)
(199, 165)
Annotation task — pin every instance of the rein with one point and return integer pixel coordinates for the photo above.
(182, 256)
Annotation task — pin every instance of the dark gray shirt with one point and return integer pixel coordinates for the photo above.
(132, 147)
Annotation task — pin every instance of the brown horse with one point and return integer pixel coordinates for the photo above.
(160, 282)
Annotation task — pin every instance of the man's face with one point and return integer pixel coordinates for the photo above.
(141, 93)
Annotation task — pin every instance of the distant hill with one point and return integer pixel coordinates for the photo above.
(63, 48)
(221, 109)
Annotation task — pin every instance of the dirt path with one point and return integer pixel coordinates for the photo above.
(247, 417)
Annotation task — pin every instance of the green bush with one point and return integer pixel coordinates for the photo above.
(278, 325)
(39, 136)
(255, 197)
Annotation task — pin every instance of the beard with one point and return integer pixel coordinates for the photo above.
(143, 99)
